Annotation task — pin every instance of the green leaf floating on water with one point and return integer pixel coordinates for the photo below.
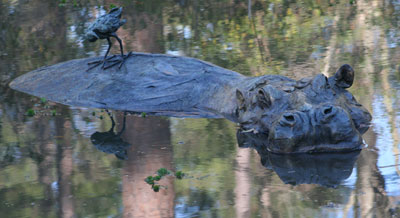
(157, 178)
(179, 175)
(156, 188)
(112, 6)
(30, 112)
(151, 180)
(162, 172)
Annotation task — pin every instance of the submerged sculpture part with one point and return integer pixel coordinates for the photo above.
(315, 114)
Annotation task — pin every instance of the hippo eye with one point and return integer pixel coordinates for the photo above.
(240, 100)
(264, 99)
(328, 110)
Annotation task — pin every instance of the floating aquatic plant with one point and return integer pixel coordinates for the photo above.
(30, 112)
(112, 6)
(157, 178)
(179, 174)
(149, 180)
(160, 173)
(156, 188)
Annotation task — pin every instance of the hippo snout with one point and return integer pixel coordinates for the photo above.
(333, 122)
(324, 128)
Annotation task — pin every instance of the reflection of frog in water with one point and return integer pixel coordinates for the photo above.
(111, 143)
(326, 169)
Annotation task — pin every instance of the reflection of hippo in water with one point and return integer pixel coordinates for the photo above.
(312, 114)
(326, 169)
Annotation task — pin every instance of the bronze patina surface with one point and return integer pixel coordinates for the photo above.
(315, 114)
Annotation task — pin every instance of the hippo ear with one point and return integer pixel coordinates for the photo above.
(344, 76)
(240, 99)
(263, 99)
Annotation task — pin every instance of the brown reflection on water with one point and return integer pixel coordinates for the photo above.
(150, 150)
(65, 168)
(58, 170)
(390, 98)
(371, 195)
(150, 137)
(147, 37)
(243, 183)
(48, 149)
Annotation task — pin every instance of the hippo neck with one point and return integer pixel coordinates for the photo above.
(223, 97)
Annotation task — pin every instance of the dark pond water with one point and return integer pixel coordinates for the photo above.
(50, 168)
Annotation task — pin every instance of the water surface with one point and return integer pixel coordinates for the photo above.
(50, 168)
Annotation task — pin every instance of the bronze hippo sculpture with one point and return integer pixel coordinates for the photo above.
(315, 114)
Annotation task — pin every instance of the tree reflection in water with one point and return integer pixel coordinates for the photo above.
(49, 168)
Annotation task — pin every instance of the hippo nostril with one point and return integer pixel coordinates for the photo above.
(289, 118)
(327, 110)
(327, 113)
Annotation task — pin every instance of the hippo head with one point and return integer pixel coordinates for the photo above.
(313, 114)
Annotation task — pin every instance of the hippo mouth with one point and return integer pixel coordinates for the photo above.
(327, 128)
(281, 146)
